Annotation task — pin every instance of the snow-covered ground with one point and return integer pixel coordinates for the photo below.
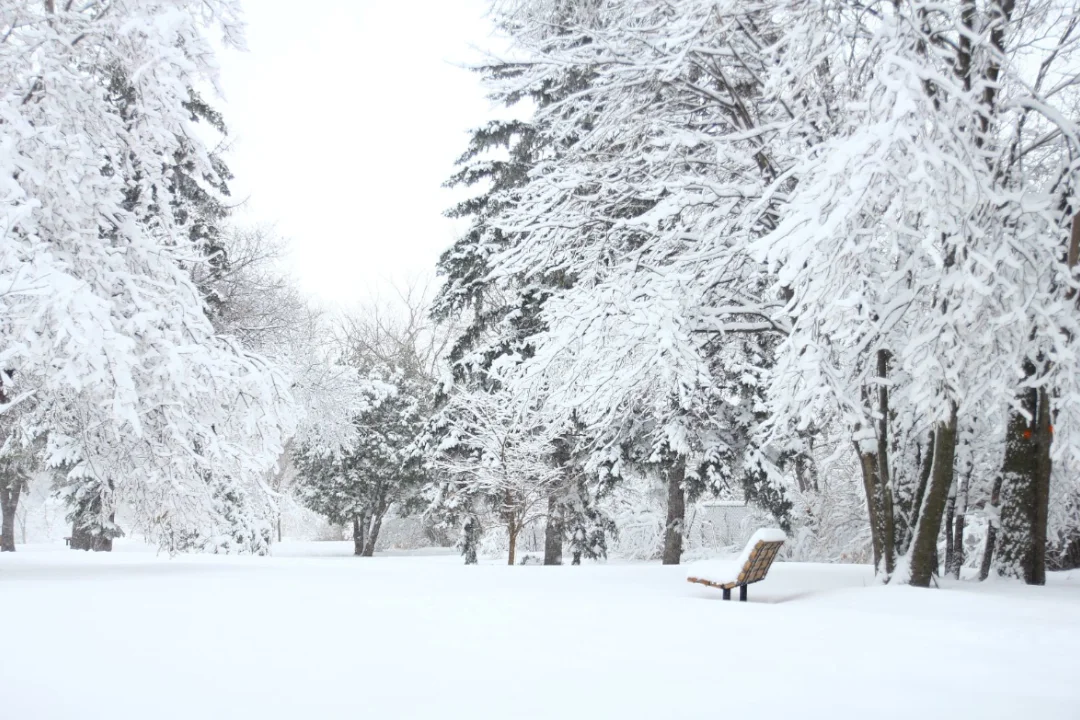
(313, 634)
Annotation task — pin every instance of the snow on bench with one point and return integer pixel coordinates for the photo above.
(750, 567)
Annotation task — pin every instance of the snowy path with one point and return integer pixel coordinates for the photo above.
(133, 635)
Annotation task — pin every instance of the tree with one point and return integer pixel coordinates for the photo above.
(784, 224)
(105, 331)
(395, 351)
(900, 312)
(17, 459)
(498, 318)
(495, 456)
(652, 163)
(358, 483)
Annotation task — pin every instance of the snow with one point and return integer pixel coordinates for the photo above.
(725, 571)
(307, 634)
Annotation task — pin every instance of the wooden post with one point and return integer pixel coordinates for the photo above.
(727, 593)
(742, 593)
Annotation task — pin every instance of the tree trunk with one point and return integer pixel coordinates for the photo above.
(279, 527)
(924, 547)
(1025, 475)
(10, 488)
(950, 517)
(911, 522)
(513, 532)
(371, 533)
(9, 504)
(884, 495)
(991, 530)
(357, 537)
(1043, 438)
(958, 527)
(869, 467)
(471, 539)
(553, 533)
(676, 513)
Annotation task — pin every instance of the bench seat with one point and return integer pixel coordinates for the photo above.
(751, 566)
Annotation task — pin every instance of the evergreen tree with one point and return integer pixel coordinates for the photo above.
(499, 319)
(358, 484)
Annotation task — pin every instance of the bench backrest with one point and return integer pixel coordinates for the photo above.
(760, 560)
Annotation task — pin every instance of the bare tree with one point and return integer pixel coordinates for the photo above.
(398, 332)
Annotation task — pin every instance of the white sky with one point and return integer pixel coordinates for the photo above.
(345, 118)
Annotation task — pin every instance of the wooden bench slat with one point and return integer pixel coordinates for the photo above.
(754, 570)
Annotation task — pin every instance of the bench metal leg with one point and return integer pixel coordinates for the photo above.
(742, 593)
(727, 593)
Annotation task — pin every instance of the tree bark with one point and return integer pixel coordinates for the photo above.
(958, 528)
(371, 533)
(869, 467)
(950, 517)
(10, 489)
(924, 547)
(553, 532)
(920, 490)
(676, 513)
(991, 530)
(884, 495)
(357, 537)
(1040, 535)
(9, 504)
(1025, 477)
(513, 532)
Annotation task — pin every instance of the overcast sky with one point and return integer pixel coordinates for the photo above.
(346, 116)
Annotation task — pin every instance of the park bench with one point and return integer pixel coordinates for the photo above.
(750, 567)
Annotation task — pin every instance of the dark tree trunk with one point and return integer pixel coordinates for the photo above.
(920, 493)
(869, 466)
(371, 533)
(1043, 439)
(511, 507)
(924, 546)
(950, 517)
(676, 513)
(991, 530)
(958, 528)
(9, 504)
(279, 528)
(1025, 484)
(874, 465)
(553, 533)
(513, 533)
(883, 490)
(10, 489)
(357, 537)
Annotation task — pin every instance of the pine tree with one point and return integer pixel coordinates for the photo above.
(358, 484)
(500, 318)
